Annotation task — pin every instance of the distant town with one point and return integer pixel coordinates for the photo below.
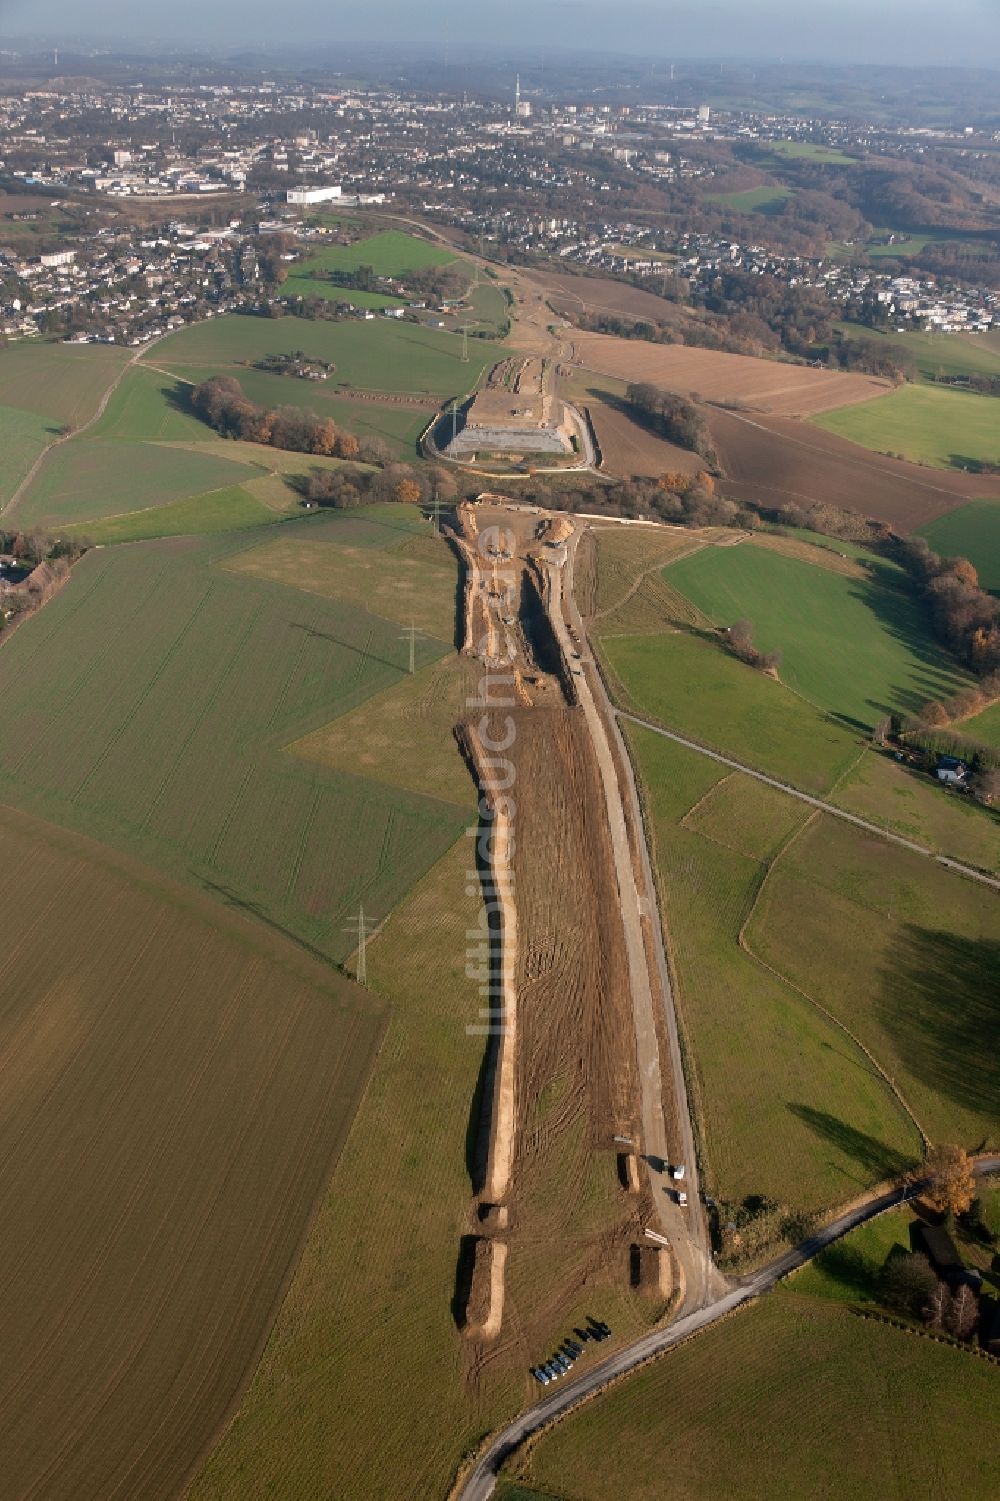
(132, 210)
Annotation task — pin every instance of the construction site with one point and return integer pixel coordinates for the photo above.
(579, 1111)
(516, 414)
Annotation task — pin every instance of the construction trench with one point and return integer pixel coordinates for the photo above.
(558, 1012)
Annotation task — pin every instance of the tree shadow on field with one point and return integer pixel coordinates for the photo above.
(906, 621)
(870, 1154)
(178, 398)
(844, 1264)
(940, 1003)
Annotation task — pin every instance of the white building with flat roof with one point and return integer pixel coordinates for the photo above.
(312, 195)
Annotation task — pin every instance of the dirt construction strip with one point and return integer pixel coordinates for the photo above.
(969, 871)
(480, 1483)
(688, 1231)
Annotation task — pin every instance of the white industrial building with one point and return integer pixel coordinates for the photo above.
(312, 195)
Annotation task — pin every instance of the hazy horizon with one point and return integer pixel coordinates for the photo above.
(904, 32)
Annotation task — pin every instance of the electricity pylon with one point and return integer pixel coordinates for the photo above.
(410, 633)
(363, 927)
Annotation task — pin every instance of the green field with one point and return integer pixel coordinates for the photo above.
(928, 424)
(768, 199)
(227, 510)
(972, 531)
(23, 436)
(786, 1103)
(149, 407)
(858, 648)
(792, 1397)
(811, 151)
(383, 355)
(90, 478)
(915, 805)
(149, 705)
(935, 354)
(904, 953)
(63, 382)
(148, 452)
(694, 687)
(320, 1416)
(984, 726)
(389, 253)
(398, 425)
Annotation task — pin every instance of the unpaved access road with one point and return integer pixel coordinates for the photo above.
(481, 1480)
(78, 432)
(686, 1229)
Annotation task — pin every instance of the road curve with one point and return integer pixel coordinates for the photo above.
(481, 1480)
(969, 871)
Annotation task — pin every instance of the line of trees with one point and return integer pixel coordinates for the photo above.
(343, 489)
(673, 417)
(965, 617)
(739, 638)
(222, 403)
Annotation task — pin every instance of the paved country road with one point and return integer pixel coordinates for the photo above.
(481, 1480)
(969, 871)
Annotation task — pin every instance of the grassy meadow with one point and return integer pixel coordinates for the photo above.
(151, 701)
(972, 531)
(383, 355)
(231, 508)
(787, 1104)
(389, 253)
(928, 424)
(692, 686)
(23, 436)
(984, 726)
(792, 1397)
(62, 382)
(935, 354)
(912, 804)
(90, 478)
(905, 954)
(769, 199)
(855, 646)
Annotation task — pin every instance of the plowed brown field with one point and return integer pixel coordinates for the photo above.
(764, 385)
(628, 448)
(601, 294)
(771, 460)
(175, 1084)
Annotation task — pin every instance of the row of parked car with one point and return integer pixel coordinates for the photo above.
(569, 1351)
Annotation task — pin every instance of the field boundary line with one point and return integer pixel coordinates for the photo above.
(744, 943)
(969, 871)
(859, 458)
(78, 432)
(636, 585)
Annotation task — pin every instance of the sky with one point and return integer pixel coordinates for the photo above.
(874, 31)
